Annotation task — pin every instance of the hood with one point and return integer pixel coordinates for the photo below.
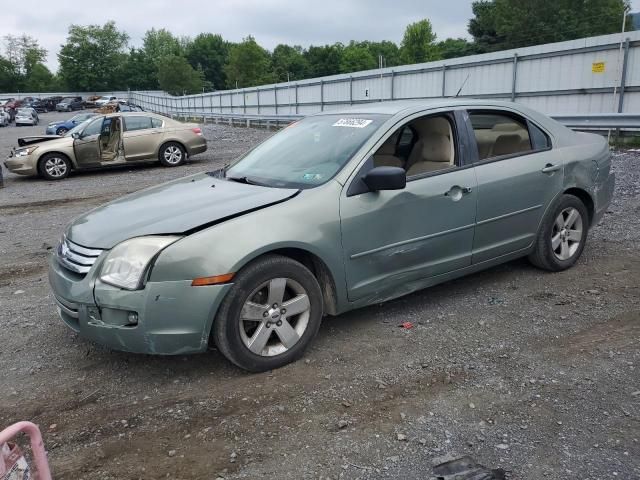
(24, 141)
(179, 206)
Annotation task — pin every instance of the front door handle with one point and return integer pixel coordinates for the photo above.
(456, 192)
(550, 168)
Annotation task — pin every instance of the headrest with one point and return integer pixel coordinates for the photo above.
(389, 146)
(507, 127)
(506, 144)
(436, 147)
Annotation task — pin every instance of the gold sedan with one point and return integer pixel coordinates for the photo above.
(105, 140)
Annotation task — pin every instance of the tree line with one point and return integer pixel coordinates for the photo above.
(99, 57)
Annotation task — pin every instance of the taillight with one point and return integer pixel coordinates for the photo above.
(197, 131)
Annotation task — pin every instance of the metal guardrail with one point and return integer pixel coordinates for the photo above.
(596, 121)
(601, 121)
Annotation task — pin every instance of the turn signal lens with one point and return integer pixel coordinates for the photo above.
(215, 280)
(197, 131)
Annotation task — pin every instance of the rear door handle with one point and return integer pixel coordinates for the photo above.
(550, 168)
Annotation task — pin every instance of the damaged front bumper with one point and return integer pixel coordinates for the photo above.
(166, 318)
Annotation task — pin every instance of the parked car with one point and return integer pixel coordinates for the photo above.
(5, 118)
(62, 127)
(90, 102)
(106, 140)
(39, 105)
(26, 116)
(104, 100)
(340, 210)
(52, 102)
(70, 104)
(118, 106)
(10, 105)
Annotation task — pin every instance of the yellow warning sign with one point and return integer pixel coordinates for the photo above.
(597, 67)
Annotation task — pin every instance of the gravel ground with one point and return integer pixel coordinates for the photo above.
(532, 372)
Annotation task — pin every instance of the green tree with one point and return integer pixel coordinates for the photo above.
(9, 78)
(483, 26)
(24, 52)
(40, 79)
(139, 72)
(289, 63)
(249, 65)
(211, 53)
(456, 47)
(504, 24)
(177, 77)
(324, 60)
(356, 57)
(92, 57)
(389, 51)
(158, 44)
(418, 43)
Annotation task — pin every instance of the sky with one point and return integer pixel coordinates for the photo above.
(295, 22)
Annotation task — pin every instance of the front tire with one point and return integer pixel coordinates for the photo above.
(270, 315)
(61, 131)
(54, 166)
(172, 154)
(562, 236)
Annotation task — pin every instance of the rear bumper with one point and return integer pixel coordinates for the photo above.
(603, 196)
(173, 318)
(197, 148)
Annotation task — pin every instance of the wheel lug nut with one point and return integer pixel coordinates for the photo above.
(265, 314)
(279, 323)
(268, 324)
(275, 305)
(283, 311)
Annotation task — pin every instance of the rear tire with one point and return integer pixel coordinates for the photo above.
(54, 166)
(61, 131)
(172, 154)
(562, 235)
(253, 328)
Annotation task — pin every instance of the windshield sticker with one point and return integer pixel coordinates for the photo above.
(312, 176)
(352, 122)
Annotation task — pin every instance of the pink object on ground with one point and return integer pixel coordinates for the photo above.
(37, 447)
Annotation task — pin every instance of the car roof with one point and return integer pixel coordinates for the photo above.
(395, 107)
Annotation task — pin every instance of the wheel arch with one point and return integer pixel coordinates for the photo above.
(172, 140)
(585, 198)
(315, 264)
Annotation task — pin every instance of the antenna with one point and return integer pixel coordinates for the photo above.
(463, 84)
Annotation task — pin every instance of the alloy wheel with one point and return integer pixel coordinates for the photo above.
(56, 167)
(173, 155)
(566, 234)
(274, 317)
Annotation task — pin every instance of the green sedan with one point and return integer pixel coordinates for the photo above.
(337, 211)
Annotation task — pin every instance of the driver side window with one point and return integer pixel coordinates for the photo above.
(94, 128)
(422, 146)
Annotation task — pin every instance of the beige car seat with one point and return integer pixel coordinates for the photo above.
(434, 150)
(385, 156)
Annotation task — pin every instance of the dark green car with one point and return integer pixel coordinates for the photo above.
(339, 210)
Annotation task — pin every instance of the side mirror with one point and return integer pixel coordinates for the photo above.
(75, 135)
(385, 178)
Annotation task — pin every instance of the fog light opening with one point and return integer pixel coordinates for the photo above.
(132, 319)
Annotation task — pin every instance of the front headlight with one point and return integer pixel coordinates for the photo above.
(128, 262)
(23, 152)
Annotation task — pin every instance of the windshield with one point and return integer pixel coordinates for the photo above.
(78, 128)
(24, 111)
(307, 153)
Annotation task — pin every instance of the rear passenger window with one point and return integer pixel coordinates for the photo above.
(137, 123)
(156, 123)
(499, 134)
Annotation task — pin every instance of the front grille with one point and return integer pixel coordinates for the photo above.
(75, 257)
